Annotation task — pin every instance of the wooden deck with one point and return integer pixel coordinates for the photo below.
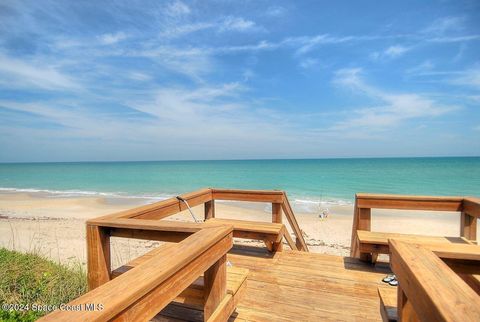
(299, 286)
(187, 279)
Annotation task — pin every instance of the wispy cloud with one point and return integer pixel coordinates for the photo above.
(469, 77)
(445, 24)
(237, 24)
(390, 109)
(20, 73)
(308, 63)
(390, 53)
(177, 8)
(109, 39)
(276, 11)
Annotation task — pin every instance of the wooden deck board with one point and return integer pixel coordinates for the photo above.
(298, 286)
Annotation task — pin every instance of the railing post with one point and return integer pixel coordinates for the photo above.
(210, 209)
(215, 286)
(364, 223)
(468, 226)
(277, 218)
(98, 256)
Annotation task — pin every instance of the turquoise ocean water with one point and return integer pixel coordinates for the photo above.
(307, 182)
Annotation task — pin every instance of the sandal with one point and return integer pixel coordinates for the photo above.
(389, 278)
(393, 283)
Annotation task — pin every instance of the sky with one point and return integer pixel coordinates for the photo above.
(196, 80)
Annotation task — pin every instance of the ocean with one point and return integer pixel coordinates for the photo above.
(309, 183)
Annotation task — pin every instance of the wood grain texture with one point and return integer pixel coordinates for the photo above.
(209, 209)
(215, 286)
(98, 256)
(409, 202)
(435, 292)
(248, 195)
(468, 226)
(277, 218)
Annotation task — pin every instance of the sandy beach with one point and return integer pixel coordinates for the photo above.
(55, 226)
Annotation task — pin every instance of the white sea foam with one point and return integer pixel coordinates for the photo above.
(315, 205)
(305, 205)
(83, 193)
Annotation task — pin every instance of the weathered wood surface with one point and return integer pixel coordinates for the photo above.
(429, 290)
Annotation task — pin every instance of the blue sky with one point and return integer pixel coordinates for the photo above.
(170, 80)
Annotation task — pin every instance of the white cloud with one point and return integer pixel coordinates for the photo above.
(306, 44)
(390, 52)
(389, 111)
(469, 77)
(445, 24)
(276, 11)
(426, 66)
(396, 51)
(110, 39)
(237, 24)
(451, 39)
(192, 62)
(185, 29)
(139, 76)
(26, 74)
(177, 9)
(308, 63)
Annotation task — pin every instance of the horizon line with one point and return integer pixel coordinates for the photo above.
(247, 159)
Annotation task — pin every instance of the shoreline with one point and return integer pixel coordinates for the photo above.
(55, 227)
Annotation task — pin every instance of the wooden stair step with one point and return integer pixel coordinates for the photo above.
(388, 303)
(377, 242)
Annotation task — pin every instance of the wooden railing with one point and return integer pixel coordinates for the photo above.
(469, 208)
(166, 208)
(438, 282)
(140, 293)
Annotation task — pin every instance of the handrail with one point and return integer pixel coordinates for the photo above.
(171, 206)
(287, 209)
(173, 268)
(429, 290)
(407, 202)
(364, 202)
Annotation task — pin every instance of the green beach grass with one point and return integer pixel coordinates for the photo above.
(27, 279)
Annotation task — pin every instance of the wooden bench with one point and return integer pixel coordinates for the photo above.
(271, 233)
(366, 245)
(193, 296)
(377, 242)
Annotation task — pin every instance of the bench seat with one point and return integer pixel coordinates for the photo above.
(377, 242)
